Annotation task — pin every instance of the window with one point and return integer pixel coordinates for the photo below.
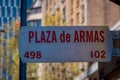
(77, 3)
(11, 11)
(38, 22)
(15, 4)
(83, 13)
(71, 6)
(64, 11)
(35, 23)
(50, 2)
(78, 18)
(0, 23)
(8, 11)
(3, 11)
(71, 22)
(62, 1)
(9, 3)
(14, 11)
(0, 12)
(46, 4)
(36, 10)
(64, 14)
(3, 3)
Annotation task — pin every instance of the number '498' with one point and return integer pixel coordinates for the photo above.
(32, 55)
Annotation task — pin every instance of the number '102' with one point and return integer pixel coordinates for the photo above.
(98, 54)
(32, 54)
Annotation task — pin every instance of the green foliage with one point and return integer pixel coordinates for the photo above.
(13, 49)
(32, 69)
(60, 71)
(12, 66)
(53, 20)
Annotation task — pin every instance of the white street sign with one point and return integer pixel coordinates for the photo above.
(65, 44)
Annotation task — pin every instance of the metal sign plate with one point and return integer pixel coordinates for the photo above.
(65, 44)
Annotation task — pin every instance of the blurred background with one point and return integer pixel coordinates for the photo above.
(57, 13)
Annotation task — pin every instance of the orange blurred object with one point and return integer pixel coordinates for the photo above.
(17, 23)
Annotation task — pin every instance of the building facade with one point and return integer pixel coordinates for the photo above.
(72, 12)
(88, 13)
(101, 13)
(34, 14)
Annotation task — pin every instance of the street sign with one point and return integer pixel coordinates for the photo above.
(65, 44)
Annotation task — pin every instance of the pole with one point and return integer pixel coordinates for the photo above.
(22, 68)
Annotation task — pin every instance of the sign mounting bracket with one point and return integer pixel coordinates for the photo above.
(116, 36)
